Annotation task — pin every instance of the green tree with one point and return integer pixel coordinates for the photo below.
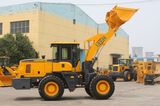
(17, 47)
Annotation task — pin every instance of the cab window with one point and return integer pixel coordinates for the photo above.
(66, 53)
(55, 52)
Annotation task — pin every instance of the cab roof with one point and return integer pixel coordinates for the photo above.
(59, 43)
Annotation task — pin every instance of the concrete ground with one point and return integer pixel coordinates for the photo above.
(126, 94)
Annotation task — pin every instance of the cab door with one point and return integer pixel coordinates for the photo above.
(65, 57)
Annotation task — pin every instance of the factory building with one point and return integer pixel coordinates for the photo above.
(45, 23)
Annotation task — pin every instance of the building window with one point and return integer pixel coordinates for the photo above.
(19, 27)
(1, 28)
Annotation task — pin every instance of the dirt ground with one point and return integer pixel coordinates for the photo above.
(126, 94)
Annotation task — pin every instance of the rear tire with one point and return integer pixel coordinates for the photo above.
(51, 88)
(127, 76)
(102, 87)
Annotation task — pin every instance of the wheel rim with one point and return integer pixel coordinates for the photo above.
(129, 76)
(102, 87)
(51, 89)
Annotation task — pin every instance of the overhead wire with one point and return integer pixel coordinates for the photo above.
(132, 2)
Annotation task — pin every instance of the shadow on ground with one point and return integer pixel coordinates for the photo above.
(65, 98)
(27, 98)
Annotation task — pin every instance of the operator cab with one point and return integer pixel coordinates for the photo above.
(66, 52)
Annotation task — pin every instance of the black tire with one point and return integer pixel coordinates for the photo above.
(114, 78)
(54, 79)
(145, 82)
(151, 80)
(135, 77)
(88, 90)
(94, 91)
(126, 74)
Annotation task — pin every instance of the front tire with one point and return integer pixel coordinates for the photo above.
(51, 88)
(135, 76)
(88, 90)
(102, 87)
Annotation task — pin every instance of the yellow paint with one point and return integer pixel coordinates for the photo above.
(58, 66)
(39, 68)
(120, 68)
(118, 16)
(6, 80)
(51, 89)
(102, 87)
(78, 67)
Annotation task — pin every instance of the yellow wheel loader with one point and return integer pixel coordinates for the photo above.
(147, 72)
(66, 70)
(123, 69)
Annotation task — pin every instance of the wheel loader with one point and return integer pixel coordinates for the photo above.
(124, 69)
(147, 71)
(66, 70)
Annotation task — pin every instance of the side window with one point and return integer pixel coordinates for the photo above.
(28, 68)
(55, 53)
(66, 53)
(76, 55)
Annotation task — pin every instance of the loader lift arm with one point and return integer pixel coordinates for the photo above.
(115, 18)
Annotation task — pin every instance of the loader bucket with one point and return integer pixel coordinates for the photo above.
(6, 78)
(118, 16)
(6, 81)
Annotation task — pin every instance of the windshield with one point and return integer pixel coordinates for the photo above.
(122, 62)
(125, 61)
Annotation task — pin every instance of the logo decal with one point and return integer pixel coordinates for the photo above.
(100, 41)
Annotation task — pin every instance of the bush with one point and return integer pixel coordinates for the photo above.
(17, 47)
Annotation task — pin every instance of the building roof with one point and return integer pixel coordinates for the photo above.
(67, 10)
